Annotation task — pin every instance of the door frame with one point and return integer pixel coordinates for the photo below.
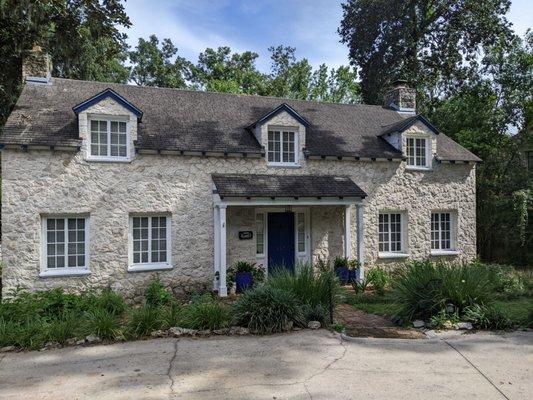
(298, 256)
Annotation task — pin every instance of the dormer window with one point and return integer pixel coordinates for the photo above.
(108, 139)
(282, 147)
(417, 153)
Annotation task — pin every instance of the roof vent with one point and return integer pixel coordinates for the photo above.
(401, 97)
(37, 67)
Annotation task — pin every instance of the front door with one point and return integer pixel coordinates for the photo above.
(281, 240)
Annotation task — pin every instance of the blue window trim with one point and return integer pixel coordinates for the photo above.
(108, 93)
(282, 107)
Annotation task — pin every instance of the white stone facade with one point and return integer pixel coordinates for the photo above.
(39, 183)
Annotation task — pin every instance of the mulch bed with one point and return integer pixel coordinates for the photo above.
(361, 324)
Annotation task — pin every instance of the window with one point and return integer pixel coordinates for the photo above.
(150, 242)
(282, 147)
(109, 140)
(260, 234)
(65, 245)
(300, 230)
(416, 152)
(391, 233)
(442, 231)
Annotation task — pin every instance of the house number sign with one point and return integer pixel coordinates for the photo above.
(246, 235)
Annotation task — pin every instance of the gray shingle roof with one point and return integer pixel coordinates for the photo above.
(244, 185)
(202, 121)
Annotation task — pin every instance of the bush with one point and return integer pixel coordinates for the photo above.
(111, 302)
(422, 289)
(102, 323)
(443, 319)
(317, 313)
(341, 262)
(487, 317)
(313, 288)
(258, 273)
(144, 320)
(30, 334)
(156, 294)
(205, 312)
(171, 315)
(505, 280)
(379, 278)
(267, 309)
(63, 328)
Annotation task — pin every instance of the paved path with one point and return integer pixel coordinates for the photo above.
(302, 365)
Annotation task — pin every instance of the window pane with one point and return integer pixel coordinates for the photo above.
(301, 232)
(390, 232)
(259, 233)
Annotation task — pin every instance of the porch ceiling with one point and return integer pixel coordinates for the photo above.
(246, 185)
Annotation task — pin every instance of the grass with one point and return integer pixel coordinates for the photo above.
(372, 303)
(518, 310)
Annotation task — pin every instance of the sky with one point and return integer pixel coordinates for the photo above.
(308, 25)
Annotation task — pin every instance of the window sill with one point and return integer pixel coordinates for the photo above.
(393, 255)
(284, 165)
(413, 168)
(149, 267)
(108, 160)
(444, 252)
(50, 273)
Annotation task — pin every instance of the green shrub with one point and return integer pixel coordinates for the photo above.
(379, 278)
(310, 287)
(487, 317)
(111, 302)
(360, 287)
(156, 294)
(63, 328)
(205, 312)
(144, 320)
(171, 315)
(30, 334)
(443, 319)
(267, 309)
(338, 327)
(102, 323)
(505, 280)
(317, 313)
(422, 289)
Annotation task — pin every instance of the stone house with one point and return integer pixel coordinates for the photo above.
(108, 184)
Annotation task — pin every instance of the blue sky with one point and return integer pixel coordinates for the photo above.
(308, 25)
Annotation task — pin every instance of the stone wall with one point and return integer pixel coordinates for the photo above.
(38, 183)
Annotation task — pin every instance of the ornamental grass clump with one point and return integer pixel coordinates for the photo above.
(422, 289)
(205, 312)
(144, 320)
(102, 323)
(267, 309)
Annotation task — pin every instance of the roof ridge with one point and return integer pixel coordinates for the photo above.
(225, 93)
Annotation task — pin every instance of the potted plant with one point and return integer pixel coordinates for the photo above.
(340, 264)
(353, 266)
(244, 275)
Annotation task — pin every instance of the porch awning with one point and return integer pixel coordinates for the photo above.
(295, 186)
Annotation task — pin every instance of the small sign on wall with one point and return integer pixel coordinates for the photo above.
(246, 235)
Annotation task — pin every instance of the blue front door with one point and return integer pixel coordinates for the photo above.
(281, 240)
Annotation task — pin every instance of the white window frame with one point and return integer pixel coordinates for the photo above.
(109, 119)
(150, 266)
(403, 253)
(65, 271)
(263, 214)
(453, 233)
(428, 153)
(281, 130)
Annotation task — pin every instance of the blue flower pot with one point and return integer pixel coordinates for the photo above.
(243, 281)
(343, 274)
(352, 275)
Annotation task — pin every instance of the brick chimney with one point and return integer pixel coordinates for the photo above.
(401, 98)
(36, 67)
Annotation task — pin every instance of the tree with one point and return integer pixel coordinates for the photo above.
(288, 77)
(340, 86)
(82, 37)
(223, 71)
(154, 65)
(434, 44)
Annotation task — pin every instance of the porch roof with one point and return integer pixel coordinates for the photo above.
(246, 185)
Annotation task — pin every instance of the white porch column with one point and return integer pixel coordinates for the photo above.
(360, 243)
(222, 289)
(216, 246)
(347, 231)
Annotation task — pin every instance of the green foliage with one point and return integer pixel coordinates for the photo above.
(422, 289)
(205, 312)
(258, 273)
(156, 294)
(102, 323)
(63, 328)
(379, 278)
(144, 320)
(340, 262)
(111, 302)
(316, 313)
(360, 286)
(444, 320)
(373, 304)
(171, 315)
(311, 287)
(487, 317)
(338, 327)
(267, 309)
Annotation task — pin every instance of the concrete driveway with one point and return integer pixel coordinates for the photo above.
(302, 365)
